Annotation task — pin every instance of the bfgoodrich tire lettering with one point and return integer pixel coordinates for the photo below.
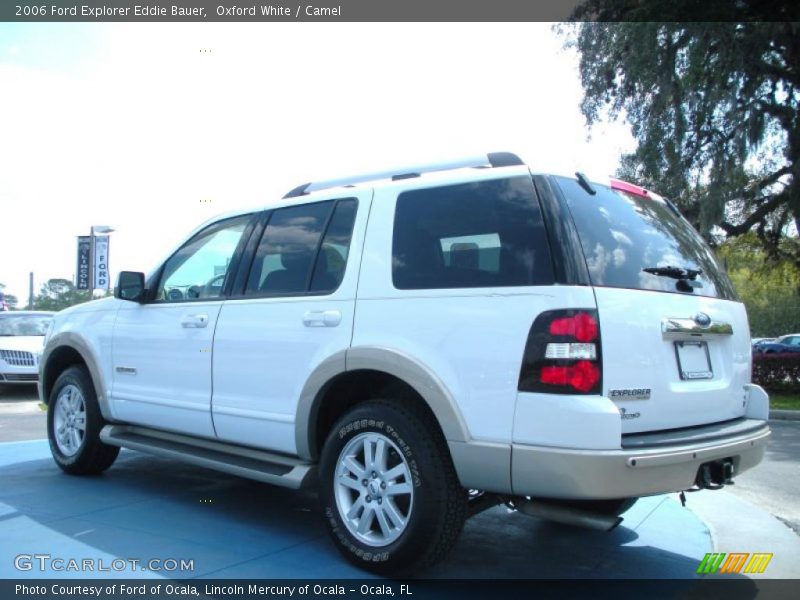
(435, 507)
(73, 404)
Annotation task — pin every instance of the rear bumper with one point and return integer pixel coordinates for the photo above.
(549, 472)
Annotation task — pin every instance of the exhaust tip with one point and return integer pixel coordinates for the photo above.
(568, 515)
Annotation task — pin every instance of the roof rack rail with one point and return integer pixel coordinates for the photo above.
(492, 159)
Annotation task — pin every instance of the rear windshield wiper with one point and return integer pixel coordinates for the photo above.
(686, 277)
(584, 182)
(674, 272)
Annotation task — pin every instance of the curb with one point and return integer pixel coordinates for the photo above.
(27, 407)
(784, 415)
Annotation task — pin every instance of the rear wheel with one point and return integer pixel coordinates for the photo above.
(391, 497)
(74, 423)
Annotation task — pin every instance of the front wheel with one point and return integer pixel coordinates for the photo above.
(74, 423)
(391, 497)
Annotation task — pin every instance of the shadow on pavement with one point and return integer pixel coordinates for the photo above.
(21, 392)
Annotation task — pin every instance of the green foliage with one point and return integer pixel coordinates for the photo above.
(714, 106)
(10, 299)
(769, 288)
(784, 401)
(58, 294)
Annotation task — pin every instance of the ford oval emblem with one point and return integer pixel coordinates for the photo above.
(702, 319)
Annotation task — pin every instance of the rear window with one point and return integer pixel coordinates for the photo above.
(623, 233)
(480, 234)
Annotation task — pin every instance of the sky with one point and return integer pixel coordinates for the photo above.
(152, 128)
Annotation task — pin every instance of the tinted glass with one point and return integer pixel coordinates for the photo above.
(481, 234)
(623, 233)
(198, 270)
(332, 258)
(287, 250)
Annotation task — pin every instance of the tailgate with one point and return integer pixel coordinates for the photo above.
(664, 366)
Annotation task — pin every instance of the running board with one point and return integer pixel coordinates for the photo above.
(246, 462)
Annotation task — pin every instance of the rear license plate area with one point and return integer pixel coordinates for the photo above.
(694, 362)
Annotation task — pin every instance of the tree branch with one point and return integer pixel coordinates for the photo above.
(757, 216)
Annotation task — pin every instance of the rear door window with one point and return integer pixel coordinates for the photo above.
(480, 234)
(332, 259)
(623, 233)
(303, 249)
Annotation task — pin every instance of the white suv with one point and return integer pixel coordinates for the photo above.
(423, 344)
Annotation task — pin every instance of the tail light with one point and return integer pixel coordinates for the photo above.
(563, 354)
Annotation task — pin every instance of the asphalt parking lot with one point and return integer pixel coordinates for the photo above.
(152, 508)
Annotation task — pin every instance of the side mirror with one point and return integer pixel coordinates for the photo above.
(130, 286)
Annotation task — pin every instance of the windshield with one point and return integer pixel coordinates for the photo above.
(629, 241)
(18, 325)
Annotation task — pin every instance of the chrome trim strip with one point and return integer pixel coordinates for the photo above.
(677, 326)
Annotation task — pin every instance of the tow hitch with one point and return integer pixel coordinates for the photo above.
(714, 475)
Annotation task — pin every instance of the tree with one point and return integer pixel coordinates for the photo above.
(58, 294)
(769, 289)
(714, 106)
(9, 299)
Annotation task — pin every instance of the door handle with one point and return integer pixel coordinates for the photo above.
(194, 321)
(322, 318)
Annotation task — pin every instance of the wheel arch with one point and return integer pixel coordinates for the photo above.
(362, 371)
(63, 351)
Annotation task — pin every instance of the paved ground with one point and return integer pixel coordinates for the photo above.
(20, 416)
(147, 507)
(775, 484)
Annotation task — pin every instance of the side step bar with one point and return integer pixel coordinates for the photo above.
(220, 456)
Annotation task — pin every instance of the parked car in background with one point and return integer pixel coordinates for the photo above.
(21, 342)
(757, 342)
(785, 343)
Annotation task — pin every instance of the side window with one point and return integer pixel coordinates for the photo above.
(332, 257)
(199, 269)
(298, 239)
(481, 234)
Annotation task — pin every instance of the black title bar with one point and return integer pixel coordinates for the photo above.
(396, 10)
(421, 589)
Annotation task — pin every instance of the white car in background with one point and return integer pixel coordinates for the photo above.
(21, 342)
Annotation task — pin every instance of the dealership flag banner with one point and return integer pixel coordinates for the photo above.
(101, 276)
(84, 258)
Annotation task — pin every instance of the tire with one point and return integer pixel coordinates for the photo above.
(430, 502)
(73, 402)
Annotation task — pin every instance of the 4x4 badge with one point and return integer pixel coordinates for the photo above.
(623, 412)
